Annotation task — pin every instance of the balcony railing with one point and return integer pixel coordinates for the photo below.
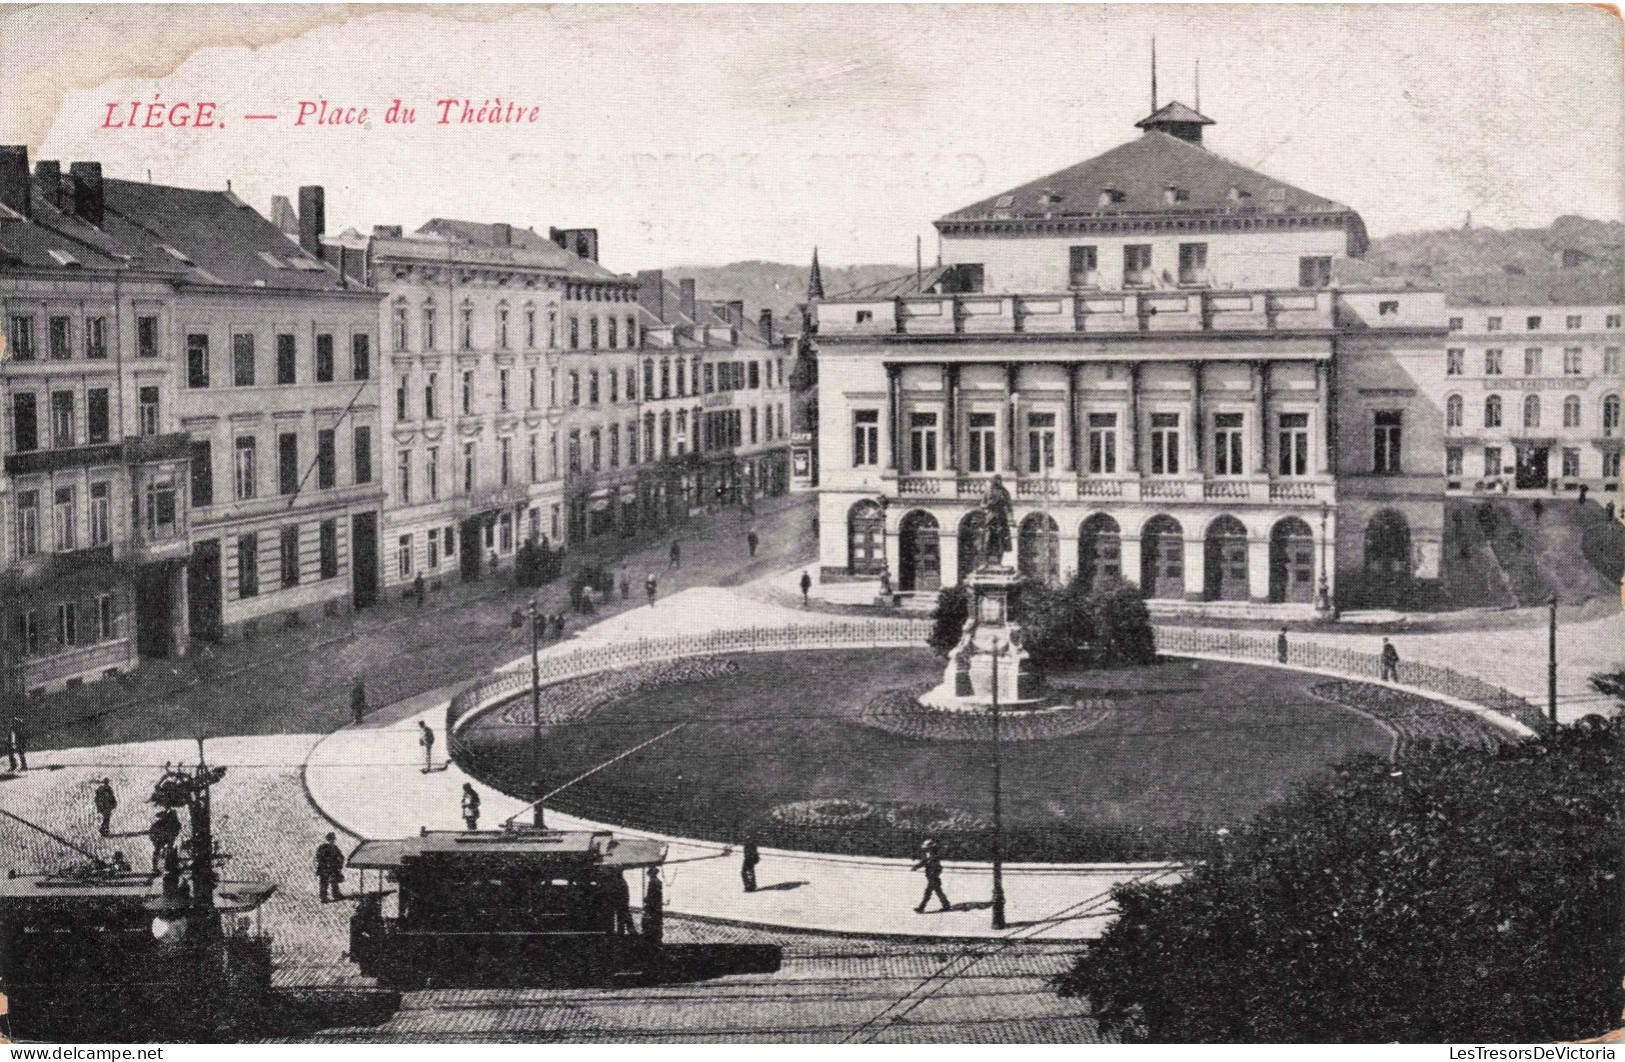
(1257, 489)
(1163, 310)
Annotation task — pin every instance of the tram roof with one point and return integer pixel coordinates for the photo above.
(539, 847)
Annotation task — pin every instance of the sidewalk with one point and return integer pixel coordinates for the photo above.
(369, 781)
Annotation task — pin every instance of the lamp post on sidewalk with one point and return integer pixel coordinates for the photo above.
(1551, 662)
(535, 709)
(998, 804)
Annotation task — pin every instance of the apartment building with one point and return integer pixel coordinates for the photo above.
(166, 406)
(1531, 391)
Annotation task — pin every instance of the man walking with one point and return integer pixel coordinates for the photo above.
(931, 863)
(358, 701)
(747, 866)
(418, 589)
(654, 908)
(806, 588)
(329, 868)
(626, 587)
(651, 585)
(106, 803)
(471, 807)
(163, 833)
(1390, 662)
(752, 540)
(676, 555)
(426, 739)
(1280, 647)
(17, 749)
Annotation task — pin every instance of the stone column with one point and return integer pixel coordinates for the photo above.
(180, 621)
(1323, 415)
(893, 394)
(1261, 428)
(1072, 418)
(948, 554)
(1012, 398)
(950, 427)
(1196, 448)
(1130, 554)
(1195, 567)
(1258, 567)
(1133, 448)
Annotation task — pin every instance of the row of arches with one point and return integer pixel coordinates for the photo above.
(1226, 571)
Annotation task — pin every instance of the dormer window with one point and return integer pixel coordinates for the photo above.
(1175, 194)
(1388, 308)
(1004, 202)
(1108, 196)
(1277, 195)
(1238, 195)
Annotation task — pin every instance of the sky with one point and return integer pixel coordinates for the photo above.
(692, 135)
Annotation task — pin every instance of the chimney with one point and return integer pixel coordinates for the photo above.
(49, 176)
(502, 234)
(652, 292)
(685, 302)
(15, 186)
(765, 324)
(87, 191)
(312, 218)
(736, 313)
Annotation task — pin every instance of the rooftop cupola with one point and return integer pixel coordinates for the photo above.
(1177, 120)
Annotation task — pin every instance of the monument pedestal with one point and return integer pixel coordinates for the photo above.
(989, 651)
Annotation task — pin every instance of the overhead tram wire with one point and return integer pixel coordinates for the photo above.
(946, 975)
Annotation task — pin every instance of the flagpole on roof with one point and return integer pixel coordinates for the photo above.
(1153, 75)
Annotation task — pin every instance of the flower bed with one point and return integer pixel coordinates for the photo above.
(1413, 718)
(900, 712)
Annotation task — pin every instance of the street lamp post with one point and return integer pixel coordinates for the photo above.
(998, 804)
(1551, 662)
(536, 710)
(1323, 591)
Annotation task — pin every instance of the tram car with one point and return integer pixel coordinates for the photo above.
(96, 953)
(520, 904)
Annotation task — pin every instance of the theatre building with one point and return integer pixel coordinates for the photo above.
(1148, 350)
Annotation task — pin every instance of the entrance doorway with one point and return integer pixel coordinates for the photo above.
(920, 563)
(469, 533)
(1292, 562)
(1531, 470)
(203, 591)
(866, 539)
(1387, 559)
(1100, 550)
(1224, 571)
(364, 559)
(1162, 558)
(154, 605)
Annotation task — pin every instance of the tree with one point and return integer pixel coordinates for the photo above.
(1122, 626)
(1464, 895)
(1057, 623)
(948, 621)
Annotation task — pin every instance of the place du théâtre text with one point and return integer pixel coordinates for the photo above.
(161, 113)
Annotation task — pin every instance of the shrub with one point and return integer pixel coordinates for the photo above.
(1475, 895)
(1122, 626)
(1057, 623)
(948, 621)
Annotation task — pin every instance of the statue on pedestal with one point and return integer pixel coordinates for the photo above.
(996, 538)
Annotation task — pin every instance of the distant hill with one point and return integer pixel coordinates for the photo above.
(1572, 260)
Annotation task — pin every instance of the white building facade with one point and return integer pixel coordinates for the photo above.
(1146, 349)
